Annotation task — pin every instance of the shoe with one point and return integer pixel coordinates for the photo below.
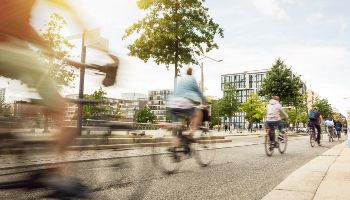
(281, 138)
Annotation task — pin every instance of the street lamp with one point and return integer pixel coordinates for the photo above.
(201, 66)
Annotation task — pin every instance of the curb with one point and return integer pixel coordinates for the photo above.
(303, 183)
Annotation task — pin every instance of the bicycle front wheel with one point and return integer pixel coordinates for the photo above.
(282, 147)
(166, 154)
(204, 148)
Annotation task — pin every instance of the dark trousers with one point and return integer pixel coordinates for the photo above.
(318, 128)
(272, 125)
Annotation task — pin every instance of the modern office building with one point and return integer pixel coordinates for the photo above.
(156, 102)
(2, 94)
(246, 83)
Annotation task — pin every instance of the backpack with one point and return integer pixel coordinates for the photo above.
(312, 114)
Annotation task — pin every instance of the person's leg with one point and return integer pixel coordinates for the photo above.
(196, 120)
(271, 130)
(318, 138)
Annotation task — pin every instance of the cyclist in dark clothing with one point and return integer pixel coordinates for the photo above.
(315, 122)
(338, 127)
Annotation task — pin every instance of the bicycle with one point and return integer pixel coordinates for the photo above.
(312, 134)
(91, 176)
(167, 155)
(331, 134)
(94, 176)
(280, 142)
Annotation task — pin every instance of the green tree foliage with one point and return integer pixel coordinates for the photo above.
(228, 104)
(145, 116)
(215, 113)
(324, 107)
(100, 111)
(254, 108)
(59, 69)
(296, 116)
(280, 81)
(173, 32)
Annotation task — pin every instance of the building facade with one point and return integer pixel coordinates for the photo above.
(133, 96)
(156, 103)
(246, 83)
(2, 94)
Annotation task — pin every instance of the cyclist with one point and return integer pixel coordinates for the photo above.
(315, 119)
(330, 126)
(19, 61)
(274, 117)
(338, 127)
(185, 99)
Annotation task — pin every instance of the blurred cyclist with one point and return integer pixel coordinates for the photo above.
(19, 61)
(184, 100)
(274, 117)
(330, 126)
(315, 119)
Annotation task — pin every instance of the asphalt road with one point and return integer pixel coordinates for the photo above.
(240, 171)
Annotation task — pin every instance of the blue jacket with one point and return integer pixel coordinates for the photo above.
(187, 88)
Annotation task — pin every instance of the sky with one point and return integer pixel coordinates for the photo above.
(311, 36)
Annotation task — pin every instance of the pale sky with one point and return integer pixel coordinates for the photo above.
(312, 36)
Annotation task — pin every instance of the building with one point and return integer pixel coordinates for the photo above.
(2, 94)
(71, 109)
(246, 84)
(311, 98)
(130, 107)
(133, 96)
(127, 107)
(156, 102)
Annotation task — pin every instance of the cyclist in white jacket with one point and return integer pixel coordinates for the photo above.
(274, 117)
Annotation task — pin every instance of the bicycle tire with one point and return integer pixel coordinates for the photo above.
(268, 148)
(312, 138)
(167, 161)
(282, 147)
(204, 149)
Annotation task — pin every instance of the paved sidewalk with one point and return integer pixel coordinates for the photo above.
(323, 178)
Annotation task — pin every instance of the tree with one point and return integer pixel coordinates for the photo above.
(254, 108)
(280, 81)
(215, 113)
(145, 116)
(228, 104)
(96, 111)
(59, 69)
(173, 32)
(324, 107)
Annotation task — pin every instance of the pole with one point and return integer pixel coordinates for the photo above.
(81, 85)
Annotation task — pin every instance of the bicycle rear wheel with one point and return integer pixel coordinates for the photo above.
(166, 155)
(268, 146)
(282, 147)
(204, 148)
(312, 138)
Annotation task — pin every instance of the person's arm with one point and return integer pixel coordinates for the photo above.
(198, 91)
(283, 114)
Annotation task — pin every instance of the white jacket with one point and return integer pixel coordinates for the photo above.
(275, 111)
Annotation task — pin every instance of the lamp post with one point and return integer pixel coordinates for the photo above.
(201, 67)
